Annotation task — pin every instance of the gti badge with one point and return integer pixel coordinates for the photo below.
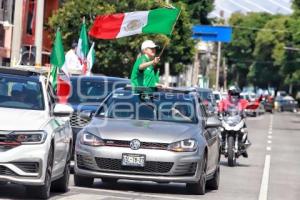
(135, 144)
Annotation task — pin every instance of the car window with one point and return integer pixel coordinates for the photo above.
(20, 93)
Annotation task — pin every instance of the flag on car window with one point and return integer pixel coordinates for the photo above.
(57, 58)
(161, 20)
(59, 79)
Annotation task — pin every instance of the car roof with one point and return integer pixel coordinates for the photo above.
(101, 78)
(26, 72)
(155, 90)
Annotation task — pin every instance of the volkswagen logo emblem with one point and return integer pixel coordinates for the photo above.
(135, 144)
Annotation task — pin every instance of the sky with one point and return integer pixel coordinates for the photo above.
(270, 6)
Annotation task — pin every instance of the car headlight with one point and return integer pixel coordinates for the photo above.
(188, 145)
(30, 137)
(91, 140)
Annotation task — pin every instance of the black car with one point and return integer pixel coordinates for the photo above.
(87, 92)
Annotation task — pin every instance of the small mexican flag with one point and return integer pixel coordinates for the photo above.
(90, 59)
(161, 20)
(57, 58)
(83, 43)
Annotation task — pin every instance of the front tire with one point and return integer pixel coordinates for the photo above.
(213, 184)
(231, 153)
(199, 187)
(43, 191)
(62, 184)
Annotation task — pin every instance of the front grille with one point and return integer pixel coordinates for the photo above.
(109, 164)
(28, 167)
(77, 121)
(6, 171)
(144, 145)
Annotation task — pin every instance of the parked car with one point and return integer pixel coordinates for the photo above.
(286, 103)
(87, 94)
(159, 136)
(35, 136)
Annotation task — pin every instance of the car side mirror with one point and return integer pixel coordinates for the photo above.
(213, 122)
(86, 114)
(62, 110)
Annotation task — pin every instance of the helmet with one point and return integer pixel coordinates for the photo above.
(234, 91)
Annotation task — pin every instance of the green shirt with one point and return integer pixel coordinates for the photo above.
(143, 78)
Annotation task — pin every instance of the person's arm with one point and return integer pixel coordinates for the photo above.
(143, 66)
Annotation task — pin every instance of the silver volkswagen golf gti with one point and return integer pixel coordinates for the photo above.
(162, 136)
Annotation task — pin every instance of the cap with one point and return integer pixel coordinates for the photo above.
(148, 44)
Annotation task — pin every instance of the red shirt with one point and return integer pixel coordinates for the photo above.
(225, 104)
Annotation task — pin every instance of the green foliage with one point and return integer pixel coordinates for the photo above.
(199, 10)
(239, 52)
(116, 57)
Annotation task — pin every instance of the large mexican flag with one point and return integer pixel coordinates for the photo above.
(161, 20)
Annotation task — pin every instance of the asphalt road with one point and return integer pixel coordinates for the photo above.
(272, 171)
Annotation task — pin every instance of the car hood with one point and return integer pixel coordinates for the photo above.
(20, 119)
(145, 131)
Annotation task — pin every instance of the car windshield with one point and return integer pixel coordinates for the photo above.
(158, 107)
(91, 90)
(20, 93)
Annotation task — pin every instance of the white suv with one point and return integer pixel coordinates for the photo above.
(35, 134)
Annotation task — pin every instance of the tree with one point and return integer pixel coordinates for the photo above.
(116, 57)
(199, 10)
(239, 52)
(278, 66)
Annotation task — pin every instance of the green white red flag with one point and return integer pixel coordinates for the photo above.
(160, 21)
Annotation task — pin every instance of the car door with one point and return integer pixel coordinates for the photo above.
(211, 136)
(58, 126)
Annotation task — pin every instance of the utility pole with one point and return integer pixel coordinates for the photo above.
(17, 31)
(219, 55)
(39, 32)
(218, 65)
(225, 73)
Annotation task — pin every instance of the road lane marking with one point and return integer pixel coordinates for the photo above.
(91, 196)
(135, 194)
(263, 194)
(269, 148)
(269, 142)
(270, 132)
(269, 136)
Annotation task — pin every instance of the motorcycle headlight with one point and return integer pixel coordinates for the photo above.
(188, 145)
(91, 140)
(30, 137)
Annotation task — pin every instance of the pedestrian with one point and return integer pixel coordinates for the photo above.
(143, 73)
(72, 62)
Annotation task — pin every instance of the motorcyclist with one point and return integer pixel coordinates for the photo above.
(234, 100)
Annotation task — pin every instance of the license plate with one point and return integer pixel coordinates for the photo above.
(133, 160)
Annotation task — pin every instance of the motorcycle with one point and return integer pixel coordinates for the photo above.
(234, 135)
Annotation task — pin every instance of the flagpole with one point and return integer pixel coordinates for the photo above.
(48, 77)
